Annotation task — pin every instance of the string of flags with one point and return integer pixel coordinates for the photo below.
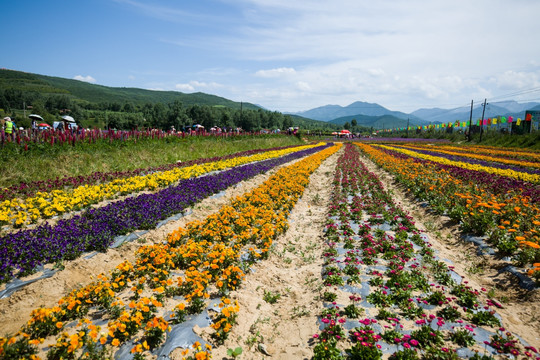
(457, 124)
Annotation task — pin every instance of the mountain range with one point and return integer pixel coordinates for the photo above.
(377, 116)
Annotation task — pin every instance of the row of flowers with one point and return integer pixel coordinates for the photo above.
(515, 165)
(44, 205)
(24, 190)
(510, 220)
(386, 293)
(31, 139)
(495, 184)
(511, 153)
(95, 229)
(205, 260)
(521, 158)
(485, 167)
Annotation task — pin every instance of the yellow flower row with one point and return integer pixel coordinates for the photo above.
(447, 150)
(46, 205)
(207, 254)
(533, 178)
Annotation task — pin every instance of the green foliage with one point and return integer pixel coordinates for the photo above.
(327, 351)
(235, 352)
(427, 337)
(270, 297)
(462, 337)
(485, 318)
(405, 354)
(329, 296)
(359, 351)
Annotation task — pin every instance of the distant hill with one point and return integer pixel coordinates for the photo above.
(377, 122)
(305, 123)
(92, 93)
(29, 86)
(331, 112)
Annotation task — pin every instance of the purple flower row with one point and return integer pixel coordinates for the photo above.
(474, 161)
(495, 183)
(401, 140)
(31, 188)
(23, 251)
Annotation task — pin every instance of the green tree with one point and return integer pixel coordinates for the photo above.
(287, 122)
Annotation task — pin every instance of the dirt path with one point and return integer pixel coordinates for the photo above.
(294, 272)
(521, 308)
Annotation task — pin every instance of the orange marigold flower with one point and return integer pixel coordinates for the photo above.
(531, 244)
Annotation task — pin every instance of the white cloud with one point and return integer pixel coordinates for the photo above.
(402, 54)
(515, 80)
(304, 86)
(184, 87)
(87, 78)
(283, 71)
(197, 85)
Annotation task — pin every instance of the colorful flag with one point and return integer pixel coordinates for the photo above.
(518, 122)
(528, 117)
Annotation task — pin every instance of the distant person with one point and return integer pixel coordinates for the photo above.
(9, 127)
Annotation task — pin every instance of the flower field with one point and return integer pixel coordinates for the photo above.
(388, 294)
(95, 229)
(319, 244)
(20, 212)
(25, 190)
(208, 256)
(501, 204)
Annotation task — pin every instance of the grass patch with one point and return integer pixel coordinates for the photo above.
(84, 159)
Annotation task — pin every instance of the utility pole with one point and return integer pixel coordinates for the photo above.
(470, 121)
(482, 124)
(407, 127)
(24, 108)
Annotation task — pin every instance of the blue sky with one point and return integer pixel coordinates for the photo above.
(286, 55)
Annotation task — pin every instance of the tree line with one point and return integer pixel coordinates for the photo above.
(129, 115)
